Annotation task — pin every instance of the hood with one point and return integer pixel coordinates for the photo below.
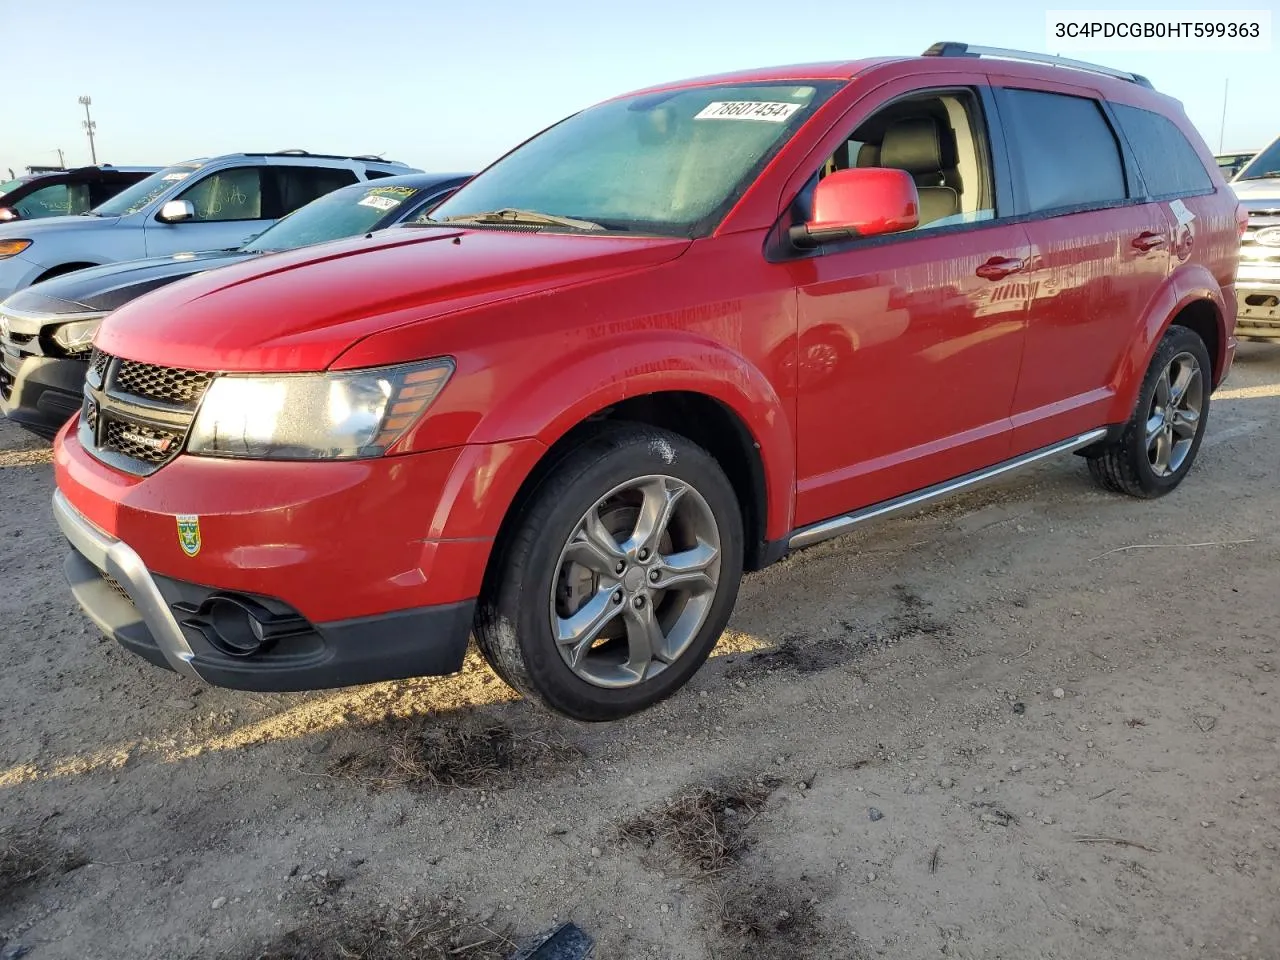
(1254, 191)
(106, 288)
(30, 229)
(297, 311)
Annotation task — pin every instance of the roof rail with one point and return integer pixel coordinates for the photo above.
(949, 49)
(368, 158)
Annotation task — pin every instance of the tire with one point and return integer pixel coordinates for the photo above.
(571, 605)
(1159, 443)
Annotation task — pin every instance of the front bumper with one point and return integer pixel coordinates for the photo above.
(183, 626)
(40, 393)
(1258, 311)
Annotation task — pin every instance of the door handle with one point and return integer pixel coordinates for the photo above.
(1148, 240)
(997, 268)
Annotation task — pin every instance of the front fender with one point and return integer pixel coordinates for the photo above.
(1190, 283)
(590, 381)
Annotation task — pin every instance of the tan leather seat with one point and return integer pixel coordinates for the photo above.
(928, 152)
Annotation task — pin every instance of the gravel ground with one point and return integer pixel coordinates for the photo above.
(1037, 721)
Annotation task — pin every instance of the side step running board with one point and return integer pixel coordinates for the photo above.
(836, 526)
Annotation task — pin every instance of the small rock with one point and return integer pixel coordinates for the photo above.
(1059, 693)
(946, 783)
(1019, 708)
(219, 903)
(1204, 823)
(874, 814)
(1014, 767)
(595, 851)
(871, 878)
(979, 789)
(665, 909)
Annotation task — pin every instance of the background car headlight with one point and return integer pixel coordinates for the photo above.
(11, 248)
(77, 337)
(329, 416)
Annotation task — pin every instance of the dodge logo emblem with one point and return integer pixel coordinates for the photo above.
(1270, 237)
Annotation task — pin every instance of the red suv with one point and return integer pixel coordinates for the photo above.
(667, 340)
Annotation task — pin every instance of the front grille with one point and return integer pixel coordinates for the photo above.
(167, 384)
(142, 443)
(136, 416)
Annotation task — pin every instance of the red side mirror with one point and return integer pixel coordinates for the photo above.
(860, 202)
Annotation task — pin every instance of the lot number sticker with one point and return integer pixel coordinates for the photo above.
(380, 203)
(747, 110)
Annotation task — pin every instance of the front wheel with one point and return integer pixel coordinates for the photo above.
(1161, 439)
(619, 578)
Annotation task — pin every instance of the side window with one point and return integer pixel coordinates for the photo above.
(375, 174)
(234, 194)
(1169, 163)
(938, 138)
(56, 200)
(297, 186)
(1066, 150)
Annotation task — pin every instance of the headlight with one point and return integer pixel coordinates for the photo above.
(77, 337)
(330, 416)
(11, 248)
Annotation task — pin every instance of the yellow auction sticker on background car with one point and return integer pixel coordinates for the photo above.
(189, 533)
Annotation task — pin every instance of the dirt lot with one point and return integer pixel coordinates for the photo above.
(1041, 721)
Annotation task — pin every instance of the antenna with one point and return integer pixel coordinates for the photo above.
(1222, 130)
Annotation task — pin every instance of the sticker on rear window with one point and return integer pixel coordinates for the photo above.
(380, 203)
(747, 110)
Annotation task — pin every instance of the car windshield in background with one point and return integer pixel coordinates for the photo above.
(669, 163)
(1266, 164)
(9, 185)
(343, 213)
(144, 191)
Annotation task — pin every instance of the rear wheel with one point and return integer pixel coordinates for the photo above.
(619, 578)
(1159, 443)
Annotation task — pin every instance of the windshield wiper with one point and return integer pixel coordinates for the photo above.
(509, 215)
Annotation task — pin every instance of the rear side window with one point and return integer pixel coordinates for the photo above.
(1067, 153)
(298, 186)
(1169, 163)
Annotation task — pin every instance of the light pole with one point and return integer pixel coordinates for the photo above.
(89, 127)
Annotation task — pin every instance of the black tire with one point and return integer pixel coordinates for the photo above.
(1123, 465)
(513, 626)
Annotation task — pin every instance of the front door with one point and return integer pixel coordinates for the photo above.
(232, 206)
(909, 344)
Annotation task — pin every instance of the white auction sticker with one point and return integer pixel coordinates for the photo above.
(380, 203)
(1181, 212)
(747, 110)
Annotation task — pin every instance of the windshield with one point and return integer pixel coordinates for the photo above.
(669, 163)
(344, 213)
(9, 185)
(144, 191)
(1265, 164)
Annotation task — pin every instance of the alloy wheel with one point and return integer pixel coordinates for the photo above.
(635, 581)
(1174, 416)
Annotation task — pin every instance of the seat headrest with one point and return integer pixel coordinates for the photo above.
(918, 145)
(868, 155)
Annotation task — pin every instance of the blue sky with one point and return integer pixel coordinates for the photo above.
(451, 85)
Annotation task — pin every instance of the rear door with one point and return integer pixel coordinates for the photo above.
(1100, 251)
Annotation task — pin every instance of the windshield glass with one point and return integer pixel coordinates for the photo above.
(343, 213)
(9, 185)
(669, 163)
(1265, 164)
(144, 191)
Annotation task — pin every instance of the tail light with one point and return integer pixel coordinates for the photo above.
(1242, 219)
